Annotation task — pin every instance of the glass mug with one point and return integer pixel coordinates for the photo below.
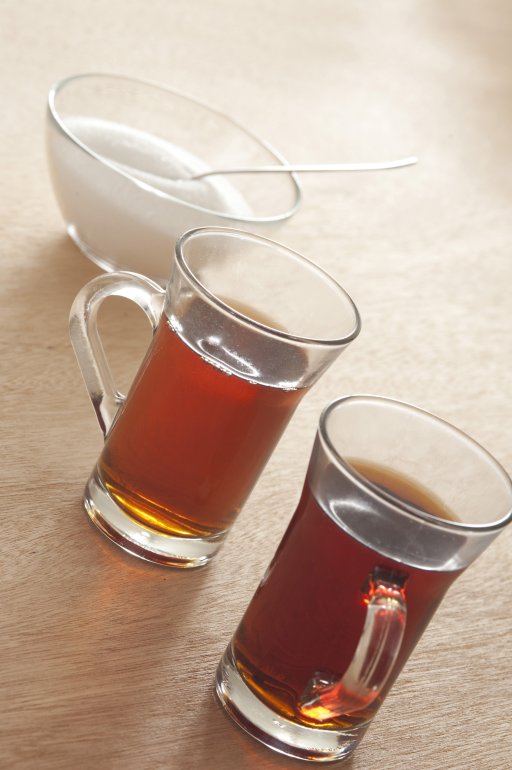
(396, 504)
(244, 329)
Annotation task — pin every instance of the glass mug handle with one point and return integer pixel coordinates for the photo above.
(83, 330)
(326, 697)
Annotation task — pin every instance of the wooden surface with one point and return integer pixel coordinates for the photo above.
(107, 662)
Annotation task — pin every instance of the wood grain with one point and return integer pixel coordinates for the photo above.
(107, 662)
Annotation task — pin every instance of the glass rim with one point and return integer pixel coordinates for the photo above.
(247, 320)
(409, 509)
(54, 112)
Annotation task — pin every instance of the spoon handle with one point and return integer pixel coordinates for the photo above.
(314, 167)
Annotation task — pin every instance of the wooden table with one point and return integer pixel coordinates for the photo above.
(106, 661)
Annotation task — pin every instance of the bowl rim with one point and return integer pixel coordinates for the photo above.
(61, 125)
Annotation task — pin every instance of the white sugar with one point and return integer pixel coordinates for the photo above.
(159, 163)
(129, 224)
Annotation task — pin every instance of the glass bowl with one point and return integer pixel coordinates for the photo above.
(120, 151)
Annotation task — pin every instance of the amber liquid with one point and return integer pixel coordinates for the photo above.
(307, 615)
(191, 439)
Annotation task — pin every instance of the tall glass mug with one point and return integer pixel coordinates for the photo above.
(396, 504)
(247, 327)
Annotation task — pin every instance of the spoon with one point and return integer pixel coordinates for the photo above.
(314, 167)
